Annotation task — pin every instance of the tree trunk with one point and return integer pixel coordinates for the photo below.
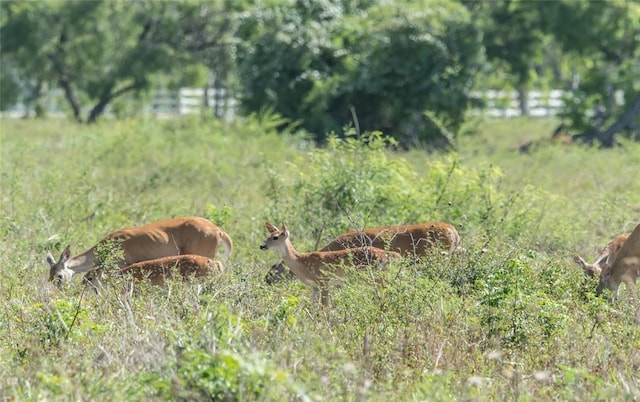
(623, 122)
(57, 58)
(606, 137)
(99, 108)
(523, 98)
(218, 110)
(69, 95)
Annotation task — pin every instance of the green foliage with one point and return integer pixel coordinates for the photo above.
(520, 50)
(613, 57)
(211, 367)
(388, 323)
(219, 216)
(382, 65)
(406, 68)
(353, 181)
(99, 51)
(109, 254)
(225, 376)
(11, 91)
(515, 310)
(61, 322)
(285, 312)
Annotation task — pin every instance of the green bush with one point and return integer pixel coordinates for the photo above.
(62, 321)
(353, 182)
(515, 307)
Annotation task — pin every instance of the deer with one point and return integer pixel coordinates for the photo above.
(317, 269)
(559, 136)
(605, 258)
(414, 240)
(624, 267)
(170, 237)
(158, 270)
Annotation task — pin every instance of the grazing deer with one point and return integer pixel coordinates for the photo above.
(416, 240)
(191, 235)
(158, 270)
(624, 267)
(606, 257)
(559, 136)
(317, 269)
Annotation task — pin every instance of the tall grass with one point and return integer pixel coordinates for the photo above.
(513, 318)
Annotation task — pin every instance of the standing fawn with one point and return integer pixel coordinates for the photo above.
(416, 240)
(158, 270)
(191, 235)
(317, 269)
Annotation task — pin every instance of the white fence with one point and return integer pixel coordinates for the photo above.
(185, 101)
(507, 103)
(163, 103)
(191, 101)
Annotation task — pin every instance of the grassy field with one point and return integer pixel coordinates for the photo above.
(512, 319)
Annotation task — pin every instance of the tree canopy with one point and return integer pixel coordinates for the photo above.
(97, 51)
(407, 68)
(380, 68)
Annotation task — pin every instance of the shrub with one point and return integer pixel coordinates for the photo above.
(515, 307)
(61, 321)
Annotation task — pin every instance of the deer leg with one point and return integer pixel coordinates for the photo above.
(324, 297)
(633, 293)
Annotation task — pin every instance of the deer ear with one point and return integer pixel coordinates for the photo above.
(270, 227)
(65, 254)
(285, 230)
(51, 260)
(589, 269)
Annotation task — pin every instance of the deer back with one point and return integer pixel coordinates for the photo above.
(160, 269)
(409, 240)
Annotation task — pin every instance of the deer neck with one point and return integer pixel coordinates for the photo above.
(288, 252)
(81, 263)
(291, 258)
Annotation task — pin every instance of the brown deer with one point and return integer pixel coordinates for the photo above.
(415, 240)
(605, 258)
(624, 267)
(158, 270)
(190, 235)
(318, 268)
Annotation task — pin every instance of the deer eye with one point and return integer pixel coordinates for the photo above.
(275, 237)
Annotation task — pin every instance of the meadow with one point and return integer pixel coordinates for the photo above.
(513, 318)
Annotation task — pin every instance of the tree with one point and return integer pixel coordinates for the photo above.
(604, 36)
(206, 30)
(513, 39)
(98, 51)
(380, 65)
(285, 50)
(12, 89)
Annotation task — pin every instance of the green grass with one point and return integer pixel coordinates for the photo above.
(512, 319)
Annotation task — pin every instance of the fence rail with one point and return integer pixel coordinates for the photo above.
(185, 101)
(507, 103)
